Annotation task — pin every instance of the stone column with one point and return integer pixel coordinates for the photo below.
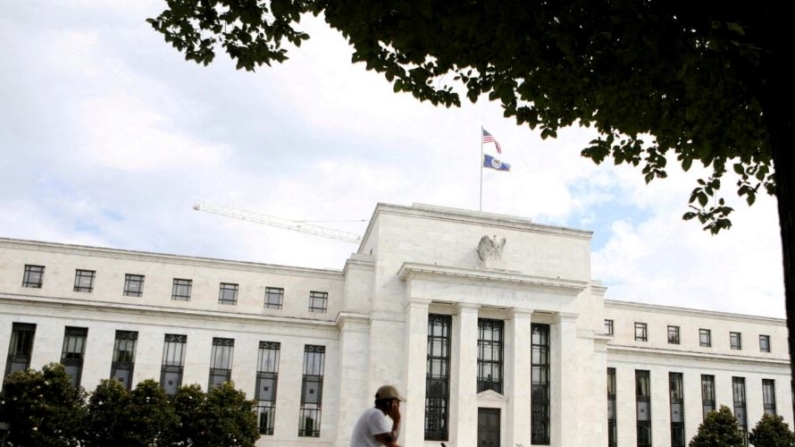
(517, 380)
(353, 361)
(413, 410)
(564, 379)
(626, 406)
(463, 380)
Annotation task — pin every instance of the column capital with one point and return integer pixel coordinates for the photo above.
(347, 320)
(516, 312)
(468, 307)
(417, 302)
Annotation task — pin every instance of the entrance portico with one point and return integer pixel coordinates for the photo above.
(468, 295)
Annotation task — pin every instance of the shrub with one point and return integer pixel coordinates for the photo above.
(772, 431)
(42, 408)
(719, 429)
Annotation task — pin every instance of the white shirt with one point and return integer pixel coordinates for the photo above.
(372, 422)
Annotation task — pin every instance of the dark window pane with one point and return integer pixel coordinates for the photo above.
(676, 394)
(705, 338)
(764, 343)
(769, 396)
(84, 281)
(33, 276)
(274, 297)
(20, 347)
(735, 340)
(707, 394)
(124, 357)
(437, 381)
(133, 285)
(673, 335)
(318, 302)
(540, 385)
(73, 352)
(608, 327)
(490, 347)
(738, 396)
(228, 293)
(640, 332)
(181, 289)
(311, 391)
(173, 362)
(266, 415)
(643, 407)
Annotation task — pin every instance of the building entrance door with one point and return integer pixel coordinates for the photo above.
(488, 427)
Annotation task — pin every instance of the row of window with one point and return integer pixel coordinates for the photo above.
(704, 336)
(180, 291)
(173, 364)
(676, 403)
(490, 366)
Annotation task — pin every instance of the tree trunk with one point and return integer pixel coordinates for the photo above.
(784, 163)
(778, 117)
(775, 89)
(785, 190)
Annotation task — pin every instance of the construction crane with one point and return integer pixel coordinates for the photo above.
(260, 218)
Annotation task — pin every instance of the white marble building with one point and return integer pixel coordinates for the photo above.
(494, 344)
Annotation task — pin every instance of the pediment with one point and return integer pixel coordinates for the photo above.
(491, 396)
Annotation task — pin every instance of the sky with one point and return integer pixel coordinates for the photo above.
(108, 137)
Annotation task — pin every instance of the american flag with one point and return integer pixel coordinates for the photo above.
(488, 138)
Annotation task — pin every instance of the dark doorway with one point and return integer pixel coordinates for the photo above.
(488, 427)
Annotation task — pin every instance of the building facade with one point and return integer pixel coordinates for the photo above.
(491, 326)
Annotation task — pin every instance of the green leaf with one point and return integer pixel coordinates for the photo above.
(736, 27)
(702, 199)
(738, 168)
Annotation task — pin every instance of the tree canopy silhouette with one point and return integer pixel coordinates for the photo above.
(662, 82)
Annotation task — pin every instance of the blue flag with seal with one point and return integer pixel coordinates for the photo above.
(493, 163)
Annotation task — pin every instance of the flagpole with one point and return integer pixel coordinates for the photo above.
(480, 206)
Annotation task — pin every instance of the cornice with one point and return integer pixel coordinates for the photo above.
(602, 338)
(598, 289)
(114, 253)
(139, 310)
(411, 270)
(358, 260)
(627, 305)
(693, 355)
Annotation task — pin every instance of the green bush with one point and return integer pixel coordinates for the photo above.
(222, 417)
(123, 418)
(42, 408)
(719, 429)
(772, 431)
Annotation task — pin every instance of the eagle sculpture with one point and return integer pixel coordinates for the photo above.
(490, 248)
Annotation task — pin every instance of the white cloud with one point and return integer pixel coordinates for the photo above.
(124, 133)
(665, 260)
(73, 53)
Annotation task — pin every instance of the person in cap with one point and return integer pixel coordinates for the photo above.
(379, 426)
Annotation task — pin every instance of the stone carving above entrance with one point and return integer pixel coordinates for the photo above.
(490, 248)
